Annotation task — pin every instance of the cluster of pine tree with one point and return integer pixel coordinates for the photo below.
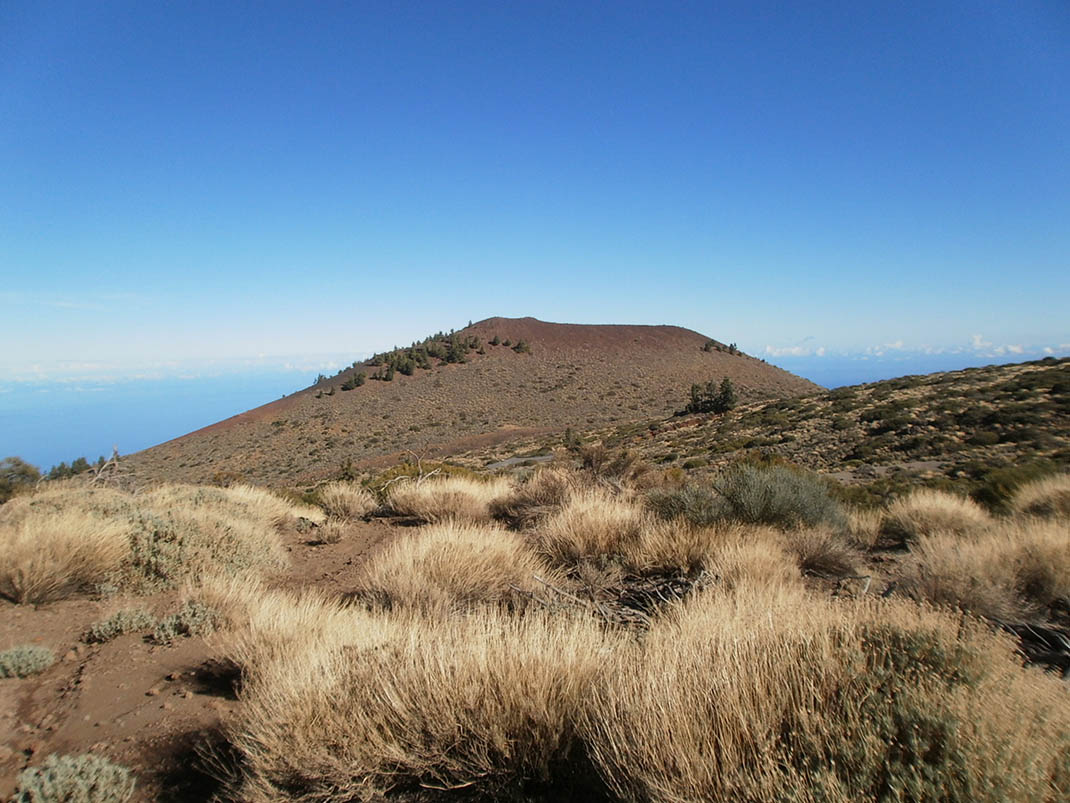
(711, 398)
(731, 348)
(77, 466)
(446, 348)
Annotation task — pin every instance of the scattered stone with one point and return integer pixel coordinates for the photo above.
(152, 692)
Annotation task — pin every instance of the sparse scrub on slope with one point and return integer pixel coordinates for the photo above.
(1047, 497)
(451, 566)
(925, 512)
(451, 497)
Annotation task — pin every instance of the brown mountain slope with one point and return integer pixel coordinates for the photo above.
(575, 375)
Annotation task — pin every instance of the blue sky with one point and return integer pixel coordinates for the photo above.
(190, 185)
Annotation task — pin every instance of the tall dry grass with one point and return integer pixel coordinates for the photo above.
(398, 705)
(544, 492)
(450, 497)
(925, 512)
(1012, 571)
(769, 694)
(68, 536)
(347, 500)
(51, 554)
(452, 566)
(1048, 497)
(593, 526)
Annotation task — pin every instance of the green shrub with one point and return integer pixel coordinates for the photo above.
(75, 779)
(696, 504)
(129, 620)
(25, 660)
(778, 496)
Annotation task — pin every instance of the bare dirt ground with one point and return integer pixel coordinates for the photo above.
(152, 708)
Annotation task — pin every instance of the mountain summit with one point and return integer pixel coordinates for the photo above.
(492, 381)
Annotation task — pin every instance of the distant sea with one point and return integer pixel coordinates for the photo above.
(46, 422)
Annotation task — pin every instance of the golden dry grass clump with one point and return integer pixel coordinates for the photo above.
(375, 705)
(452, 566)
(451, 497)
(51, 554)
(769, 694)
(1013, 570)
(63, 539)
(544, 492)
(593, 525)
(347, 500)
(925, 512)
(1048, 497)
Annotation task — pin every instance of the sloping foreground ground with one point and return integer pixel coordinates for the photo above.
(569, 375)
(595, 631)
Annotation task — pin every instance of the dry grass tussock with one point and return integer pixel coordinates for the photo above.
(1011, 571)
(63, 539)
(452, 566)
(593, 526)
(347, 500)
(441, 498)
(864, 526)
(1048, 497)
(925, 512)
(544, 492)
(50, 555)
(768, 694)
(379, 704)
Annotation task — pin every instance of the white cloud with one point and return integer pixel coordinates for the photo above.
(787, 351)
(979, 342)
(1016, 349)
(1049, 350)
(820, 352)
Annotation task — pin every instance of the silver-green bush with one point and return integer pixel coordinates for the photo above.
(129, 620)
(75, 779)
(27, 659)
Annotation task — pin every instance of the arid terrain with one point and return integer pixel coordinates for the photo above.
(574, 375)
(861, 594)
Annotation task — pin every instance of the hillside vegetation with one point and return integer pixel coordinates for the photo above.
(981, 431)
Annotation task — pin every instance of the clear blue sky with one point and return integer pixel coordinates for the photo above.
(192, 181)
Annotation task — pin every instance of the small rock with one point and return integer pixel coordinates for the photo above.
(152, 692)
(167, 706)
(188, 695)
(5, 753)
(70, 655)
(174, 676)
